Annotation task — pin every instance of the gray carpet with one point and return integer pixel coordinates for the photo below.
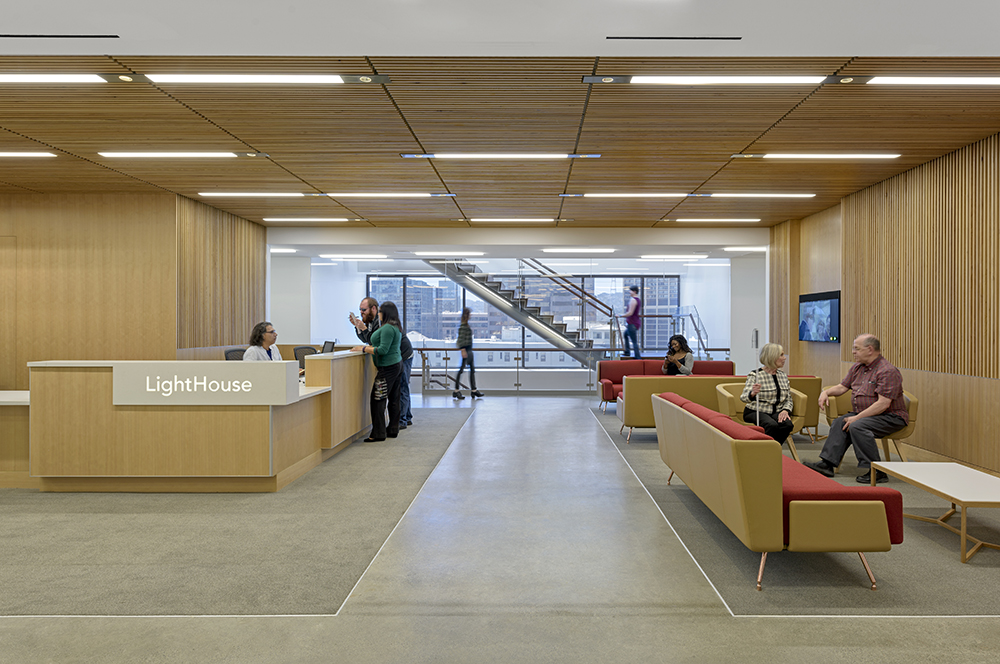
(298, 551)
(921, 576)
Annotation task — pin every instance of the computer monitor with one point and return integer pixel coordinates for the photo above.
(328, 346)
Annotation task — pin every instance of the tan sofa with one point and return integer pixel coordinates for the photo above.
(766, 499)
(634, 409)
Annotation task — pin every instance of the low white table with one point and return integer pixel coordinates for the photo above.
(960, 485)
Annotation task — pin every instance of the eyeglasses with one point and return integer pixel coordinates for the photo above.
(364, 309)
(270, 331)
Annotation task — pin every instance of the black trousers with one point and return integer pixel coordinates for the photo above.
(468, 360)
(391, 376)
(780, 431)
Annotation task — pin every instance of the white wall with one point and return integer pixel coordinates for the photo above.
(337, 290)
(748, 302)
(289, 298)
(707, 288)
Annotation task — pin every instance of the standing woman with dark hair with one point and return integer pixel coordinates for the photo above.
(384, 349)
(464, 344)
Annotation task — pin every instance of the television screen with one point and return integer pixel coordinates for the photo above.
(819, 317)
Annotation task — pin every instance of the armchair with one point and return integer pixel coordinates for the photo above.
(841, 405)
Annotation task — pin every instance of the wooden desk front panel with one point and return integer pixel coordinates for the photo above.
(350, 410)
(77, 431)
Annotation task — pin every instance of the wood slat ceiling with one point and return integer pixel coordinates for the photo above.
(348, 138)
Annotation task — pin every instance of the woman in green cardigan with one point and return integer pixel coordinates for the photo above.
(384, 349)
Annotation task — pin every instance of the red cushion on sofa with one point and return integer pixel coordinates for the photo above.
(801, 483)
(714, 368)
(652, 367)
(615, 370)
(735, 430)
(675, 398)
(698, 410)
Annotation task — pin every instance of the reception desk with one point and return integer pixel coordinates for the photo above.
(207, 426)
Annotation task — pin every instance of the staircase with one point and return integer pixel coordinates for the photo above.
(492, 292)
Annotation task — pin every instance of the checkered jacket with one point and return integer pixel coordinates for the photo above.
(767, 400)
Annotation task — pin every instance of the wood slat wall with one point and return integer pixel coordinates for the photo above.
(221, 266)
(8, 283)
(94, 278)
(920, 271)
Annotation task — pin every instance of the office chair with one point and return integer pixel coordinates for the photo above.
(300, 354)
(234, 353)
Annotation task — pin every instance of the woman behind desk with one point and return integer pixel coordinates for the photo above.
(384, 349)
(680, 360)
(768, 395)
(263, 344)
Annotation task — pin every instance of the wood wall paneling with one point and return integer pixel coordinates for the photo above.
(921, 272)
(95, 277)
(8, 285)
(221, 266)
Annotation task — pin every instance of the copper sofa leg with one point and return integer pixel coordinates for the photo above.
(628, 439)
(868, 569)
(623, 428)
(760, 573)
(670, 478)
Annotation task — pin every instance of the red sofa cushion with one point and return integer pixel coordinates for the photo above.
(801, 483)
(714, 368)
(616, 370)
(737, 431)
(698, 410)
(675, 399)
(652, 367)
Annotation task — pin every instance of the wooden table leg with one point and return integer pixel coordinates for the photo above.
(964, 543)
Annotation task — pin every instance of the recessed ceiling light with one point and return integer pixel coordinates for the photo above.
(728, 80)
(570, 264)
(744, 249)
(662, 260)
(51, 78)
(498, 155)
(578, 250)
(169, 155)
(276, 250)
(306, 219)
(934, 80)
(302, 79)
(727, 220)
(354, 257)
(762, 195)
(449, 253)
(854, 155)
(526, 220)
(241, 194)
(646, 195)
(15, 155)
(706, 264)
(685, 257)
(385, 195)
(322, 264)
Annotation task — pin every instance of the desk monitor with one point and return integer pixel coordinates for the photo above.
(328, 346)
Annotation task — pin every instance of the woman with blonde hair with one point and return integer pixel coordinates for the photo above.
(768, 395)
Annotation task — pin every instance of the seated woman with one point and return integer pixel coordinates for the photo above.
(680, 360)
(263, 344)
(768, 395)
(384, 349)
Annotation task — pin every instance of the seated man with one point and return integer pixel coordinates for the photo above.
(877, 409)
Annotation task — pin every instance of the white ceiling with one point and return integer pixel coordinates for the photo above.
(511, 27)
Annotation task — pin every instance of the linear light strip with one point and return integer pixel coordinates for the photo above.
(762, 195)
(532, 220)
(385, 195)
(27, 155)
(934, 80)
(497, 155)
(792, 155)
(51, 78)
(257, 194)
(306, 79)
(578, 250)
(169, 155)
(734, 220)
(728, 80)
(306, 219)
(442, 254)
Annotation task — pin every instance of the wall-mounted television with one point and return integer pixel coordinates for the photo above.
(819, 317)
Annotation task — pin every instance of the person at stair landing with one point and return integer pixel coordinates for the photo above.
(464, 344)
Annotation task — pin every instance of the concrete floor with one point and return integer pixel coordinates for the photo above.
(532, 541)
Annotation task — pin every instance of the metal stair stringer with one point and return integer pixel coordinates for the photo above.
(463, 275)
